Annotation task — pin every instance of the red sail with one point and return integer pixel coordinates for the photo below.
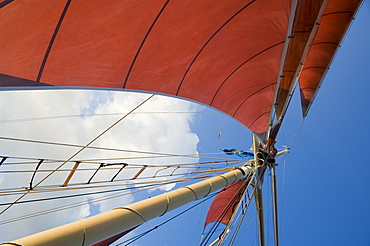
(110, 240)
(225, 202)
(228, 55)
(334, 23)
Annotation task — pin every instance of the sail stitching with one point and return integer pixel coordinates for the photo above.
(258, 118)
(52, 40)
(207, 42)
(249, 59)
(6, 2)
(253, 94)
(142, 43)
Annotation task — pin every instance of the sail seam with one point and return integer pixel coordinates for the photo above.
(253, 94)
(254, 56)
(338, 12)
(142, 43)
(52, 40)
(208, 41)
(257, 118)
(6, 2)
(315, 67)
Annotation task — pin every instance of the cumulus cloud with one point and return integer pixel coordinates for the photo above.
(150, 132)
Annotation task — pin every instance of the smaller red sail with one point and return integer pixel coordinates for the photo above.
(110, 240)
(223, 206)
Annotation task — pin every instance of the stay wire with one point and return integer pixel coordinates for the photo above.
(85, 194)
(65, 207)
(214, 227)
(72, 205)
(102, 148)
(133, 239)
(129, 165)
(243, 209)
(79, 151)
(91, 115)
(296, 134)
(54, 188)
(219, 134)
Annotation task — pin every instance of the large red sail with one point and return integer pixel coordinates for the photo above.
(226, 55)
(230, 55)
(334, 23)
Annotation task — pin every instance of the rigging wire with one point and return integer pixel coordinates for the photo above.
(219, 134)
(59, 188)
(102, 148)
(214, 156)
(296, 134)
(132, 165)
(214, 227)
(64, 207)
(79, 151)
(135, 238)
(282, 195)
(81, 194)
(94, 169)
(198, 170)
(243, 208)
(242, 215)
(92, 115)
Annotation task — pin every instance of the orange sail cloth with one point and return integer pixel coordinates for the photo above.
(112, 239)
(306, 16)
(226, 55)
(223, 206)
(230, 55)
(333, 25)
(317, 31)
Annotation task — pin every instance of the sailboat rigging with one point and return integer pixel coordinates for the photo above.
(241, 58)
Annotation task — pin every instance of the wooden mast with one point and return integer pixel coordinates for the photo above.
(96, 228)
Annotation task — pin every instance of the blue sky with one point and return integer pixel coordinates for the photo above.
(324, 185)
(323, 182)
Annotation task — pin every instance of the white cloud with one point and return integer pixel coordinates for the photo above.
(164, 133)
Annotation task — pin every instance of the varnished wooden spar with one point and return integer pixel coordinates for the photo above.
(96, 228)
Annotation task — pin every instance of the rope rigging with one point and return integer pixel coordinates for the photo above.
(108, 149)
(72, 205)
(158, 170)
(107, 167)
(53, 188)
(79, 151)
(214, 227)
(91, 115)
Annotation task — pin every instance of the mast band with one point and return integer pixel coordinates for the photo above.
(132, 210)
